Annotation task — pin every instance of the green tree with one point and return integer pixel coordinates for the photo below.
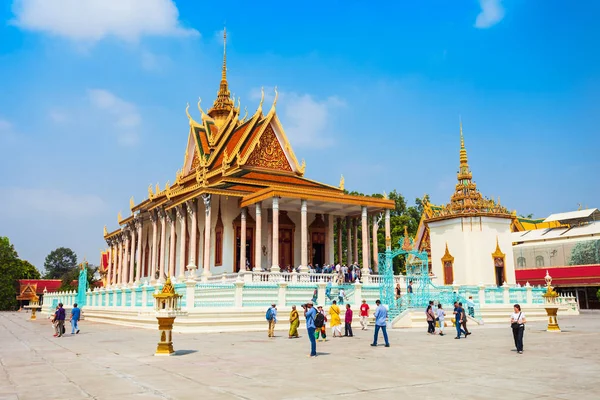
(59, 262)
(11, 270)
(585, 253)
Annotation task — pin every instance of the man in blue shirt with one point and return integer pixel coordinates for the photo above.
(380, 322)
(310, 314)
(75, 315)
(458, 317)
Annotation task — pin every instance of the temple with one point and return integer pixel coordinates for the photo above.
(240, 201)
(469, 239)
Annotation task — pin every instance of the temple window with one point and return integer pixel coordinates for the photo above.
(521, 262)
(219, 238)
(539, 261)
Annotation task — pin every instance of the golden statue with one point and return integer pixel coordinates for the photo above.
(119, 217)
(131, 203)
(342, 182)
(150, 194)
(105, 231)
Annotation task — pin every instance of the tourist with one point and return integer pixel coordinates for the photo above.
(398, 291)
(341, 296)
(348, 321)
(310, 315)
(517, 323)
(409, 289)
(55, 321)
(320, 325)
(458, 313)
(328, 289)
(471, 306)
(430, 315)
(60, 318)
(464, 320)
(294, 322)
(364, 315)
(380, 321)
(315, 296)
(272, 318)
(75, 315)
(440, 318)
(336, 323)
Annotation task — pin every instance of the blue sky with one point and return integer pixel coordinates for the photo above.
(93, 94)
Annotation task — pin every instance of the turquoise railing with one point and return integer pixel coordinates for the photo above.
(214, 295)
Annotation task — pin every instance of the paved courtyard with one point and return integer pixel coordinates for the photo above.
(111, 362)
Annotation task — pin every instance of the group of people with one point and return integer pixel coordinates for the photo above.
(59, 316)
(343, 273)
(316, 319)
(436, 317)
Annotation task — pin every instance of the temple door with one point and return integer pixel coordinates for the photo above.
(499, 269)
(286, 237)
(448, 273)
(249, 247)
(318, 248)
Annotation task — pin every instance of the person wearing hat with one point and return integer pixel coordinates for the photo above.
(364, 314)
(321, 330)
(310, 314)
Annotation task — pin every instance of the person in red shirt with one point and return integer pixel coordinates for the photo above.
(364, 314)
(348, 321)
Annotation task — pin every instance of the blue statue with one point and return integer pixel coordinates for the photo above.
(83, 284)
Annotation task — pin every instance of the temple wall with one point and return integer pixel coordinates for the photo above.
(471, 241)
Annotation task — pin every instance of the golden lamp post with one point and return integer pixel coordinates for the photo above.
(166, 306)
(551, 305)
(33, 305)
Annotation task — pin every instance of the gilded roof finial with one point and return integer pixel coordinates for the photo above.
(224, 72)
(187, 112)
(262, 98)
(342, 182)
(463, 150)
(276, 96)
(131, 203)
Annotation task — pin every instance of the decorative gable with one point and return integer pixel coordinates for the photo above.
(268, 153)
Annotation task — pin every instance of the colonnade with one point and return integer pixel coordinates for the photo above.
(128, 262)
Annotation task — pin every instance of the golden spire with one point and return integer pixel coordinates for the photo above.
(463, 151)
(223, 104)
(466, 195)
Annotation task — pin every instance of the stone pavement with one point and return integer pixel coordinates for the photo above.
(113, 362)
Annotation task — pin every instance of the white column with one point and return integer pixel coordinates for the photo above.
(131, 256)
(375, 245)
(330, 241)
(304, 236)
(388, 231)
(119, 260)
(163, 245)
(154, 257)
(275, 250)
(365, 241)
(172, 243)
(111, 254)
(349, 240)
(243, 240)
(258, 239)
(180, 210)
(207, 216)
(192, 210)
(125, 267)
(138, 254)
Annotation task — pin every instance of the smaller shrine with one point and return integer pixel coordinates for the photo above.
(469, 239)
(166, 307)
(28, 293)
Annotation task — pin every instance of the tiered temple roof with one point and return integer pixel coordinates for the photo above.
(239, 156)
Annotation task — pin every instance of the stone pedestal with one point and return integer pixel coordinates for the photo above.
(165, 344)
(552, 311)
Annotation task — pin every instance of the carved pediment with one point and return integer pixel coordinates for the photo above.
(268, 153)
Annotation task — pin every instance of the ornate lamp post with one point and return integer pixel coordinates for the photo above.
(166, 306)
(33, 306)
(550, 305)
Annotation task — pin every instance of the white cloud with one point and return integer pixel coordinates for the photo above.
(58, 117)
(94, 20)
(306, 120)
(491, 13)
(49, 202)
(125, 116)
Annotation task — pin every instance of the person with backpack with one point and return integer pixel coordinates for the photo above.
(310, 315)
(320, 321)
(271, 317)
